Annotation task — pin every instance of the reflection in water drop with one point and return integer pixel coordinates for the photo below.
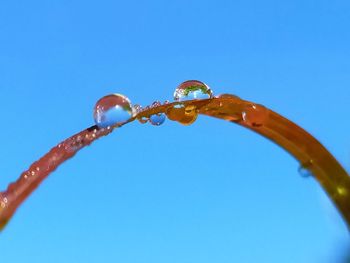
(192, 90)
(112, 110)
(157, 119)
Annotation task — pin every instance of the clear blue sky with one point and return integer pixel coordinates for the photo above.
(210, 192)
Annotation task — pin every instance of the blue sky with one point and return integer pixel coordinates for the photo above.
(209, 192)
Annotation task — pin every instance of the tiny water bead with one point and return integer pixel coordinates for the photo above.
(192, 90)
(112, 110)
(304, 172)
(143, 120)
(305, 169)
(157, 119)
(136, 108)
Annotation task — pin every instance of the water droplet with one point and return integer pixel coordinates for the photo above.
(156, 104)
(184, 115)
(192, 90)
(3, 200)
(157, 119)
(254, 115)
(304, 172)
(166, 102)
(136, 108)
(114, 109)
(305, 169)
(143, 120)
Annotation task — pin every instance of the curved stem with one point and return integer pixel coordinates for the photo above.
(305, 148)
(311, 154)
(29, 180)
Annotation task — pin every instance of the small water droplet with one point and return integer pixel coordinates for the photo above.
(166, 102)
(305, 169)
(304, 172)
(3, 201)
(192, 90)
(136, 108)
(184, 115)
(254, 115)
(143, 120)
(156, 104)
(157, 119)
(114, 109)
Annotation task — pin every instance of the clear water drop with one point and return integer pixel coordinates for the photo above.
(136, 108)
(157, 119)
(112, 110)
(192, 90)
(254, 115)
(156, 104)
(305, 169)
(304, 172)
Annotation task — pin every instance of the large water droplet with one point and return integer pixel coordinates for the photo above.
(112, 110)
(192, 90)
(157, 119)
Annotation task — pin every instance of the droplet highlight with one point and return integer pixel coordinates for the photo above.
(192, 90)
(111, 110)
